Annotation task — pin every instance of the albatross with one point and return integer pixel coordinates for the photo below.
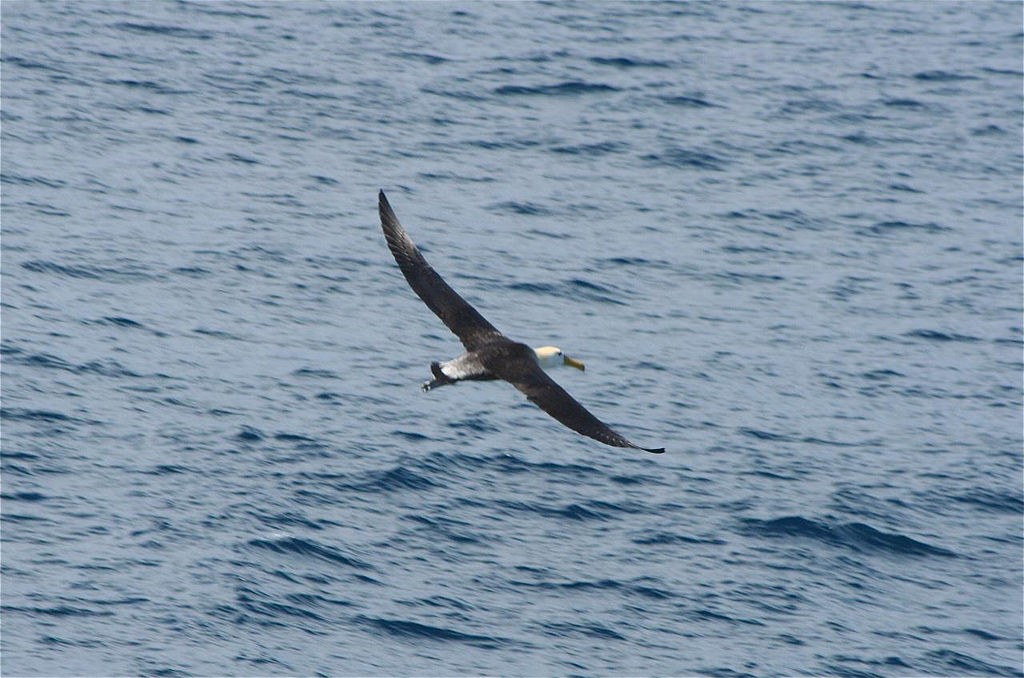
(489, 353)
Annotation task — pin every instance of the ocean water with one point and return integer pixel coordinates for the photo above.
(785, 238)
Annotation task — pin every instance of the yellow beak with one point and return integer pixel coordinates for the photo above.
(574, 363)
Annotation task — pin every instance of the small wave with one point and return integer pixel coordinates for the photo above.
(126, 323)
(148, 85)
(29, 63)
(454, 176)
(295, 438)
(906, 188)
(628, 261)
(892, 227)
(251, 601)
(244, 159)
(591, 150)
(60, 421)
(935, 335)
(509, 463)
(170, 31)
(796, 107)
(59, 611)
(666, 538)
(470, 95)
(395, 479)
(217, 334)
(685, 158)
(705, 614)
(121, 321)
(942, 76)
(473, 424)
(191, 271)
(860, 138)
(549, 234)
(793, 219)
(881, 375)
(107, 368)
(951, 662)
(639, 587)
(250, 434)
(308, 548)
(569, 88)
(991, 500)
(414, 436)
(69, 271)
(8, 178)
(721, 672)
(314, 96)
(26, 456)
(315, 372)
(626, 62)
(849, 666)
(911, 104)
(424, 57)
(767, 435)
(575, 512)
(984, 635)
(83, 272)
(589, 630)
(18, 413)
(503, 143)
(290, 519)
(23, 496)
(535, 288)
(168, 469)
(576, 288)
(586, 285)
(525, 208)
(988, 130)
(404, 628)
(451, 529)
(857, 536)
(687, 101)
(742, 277)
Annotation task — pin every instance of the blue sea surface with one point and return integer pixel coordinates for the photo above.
(786, 238)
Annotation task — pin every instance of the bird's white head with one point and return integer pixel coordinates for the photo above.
(552, 356)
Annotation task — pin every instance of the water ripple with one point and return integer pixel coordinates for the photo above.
(857, 536)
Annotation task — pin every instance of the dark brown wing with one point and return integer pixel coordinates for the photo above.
(469, 326)
(543, 391)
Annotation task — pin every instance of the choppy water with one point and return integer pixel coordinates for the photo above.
(786, 238)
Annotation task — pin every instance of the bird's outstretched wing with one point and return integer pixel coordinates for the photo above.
(543, 391)
(469, 326)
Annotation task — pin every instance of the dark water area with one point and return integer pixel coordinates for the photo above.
(784, 237)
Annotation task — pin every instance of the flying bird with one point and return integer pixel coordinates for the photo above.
(489, 353)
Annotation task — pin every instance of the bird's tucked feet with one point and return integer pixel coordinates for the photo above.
(440, 378)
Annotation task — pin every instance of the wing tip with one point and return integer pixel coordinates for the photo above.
(653, 450)
(387, 215)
